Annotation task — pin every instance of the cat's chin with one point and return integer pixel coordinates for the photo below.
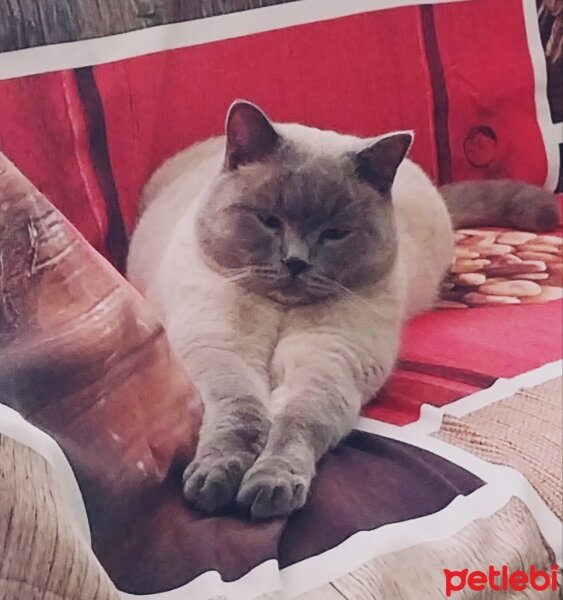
(291, 299)
(295, 297)
(287, 292)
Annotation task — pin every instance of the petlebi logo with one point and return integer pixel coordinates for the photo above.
(501, 579)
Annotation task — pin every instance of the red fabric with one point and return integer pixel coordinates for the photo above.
(479, 344)
(400, 401)
(339, 74)
(43, 131)
(490, 83)
(497, 341)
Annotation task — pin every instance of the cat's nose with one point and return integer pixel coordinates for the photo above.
(296, 265)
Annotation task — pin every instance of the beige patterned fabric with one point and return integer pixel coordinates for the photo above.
(417, 572)
(43, 557)
(523, 432)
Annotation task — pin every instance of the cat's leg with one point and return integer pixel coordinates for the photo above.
(234, 430)
(322, 374)
(317, 410)
(316, 405)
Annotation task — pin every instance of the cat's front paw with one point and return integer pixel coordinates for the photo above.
(211, 483)
(274, 487)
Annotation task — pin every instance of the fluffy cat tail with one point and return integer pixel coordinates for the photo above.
(500, 203)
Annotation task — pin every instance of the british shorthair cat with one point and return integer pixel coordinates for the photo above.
(283, 261)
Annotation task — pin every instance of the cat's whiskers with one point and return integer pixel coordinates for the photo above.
(237, 276)
(368, 304)
(264, 272)
(324, 282)
(333, 284)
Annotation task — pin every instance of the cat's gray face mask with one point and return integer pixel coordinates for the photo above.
(297, 225)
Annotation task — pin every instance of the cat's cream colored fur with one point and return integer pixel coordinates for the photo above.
(358, 332)
(343, 348)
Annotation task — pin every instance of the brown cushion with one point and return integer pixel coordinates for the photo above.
(83, 357)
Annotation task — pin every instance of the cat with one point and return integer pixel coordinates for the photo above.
(284, 261)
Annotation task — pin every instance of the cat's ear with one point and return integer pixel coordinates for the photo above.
(250, 135)
(378, 163)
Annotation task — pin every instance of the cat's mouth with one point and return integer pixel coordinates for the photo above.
(293, 290)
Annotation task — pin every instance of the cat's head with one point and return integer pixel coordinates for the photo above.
(295, 222)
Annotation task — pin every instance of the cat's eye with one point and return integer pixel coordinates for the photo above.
(333, 234)
(269, 221)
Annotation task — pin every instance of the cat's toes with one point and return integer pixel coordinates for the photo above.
(272, 488)
(211, 483)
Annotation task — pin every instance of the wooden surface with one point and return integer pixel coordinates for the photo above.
(28, 23)
(42, 556)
